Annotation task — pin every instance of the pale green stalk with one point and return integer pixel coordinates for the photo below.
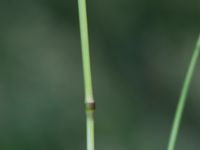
(182, 99)
(90, 104)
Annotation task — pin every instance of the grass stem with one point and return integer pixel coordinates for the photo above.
(89, 101)
(182, 98)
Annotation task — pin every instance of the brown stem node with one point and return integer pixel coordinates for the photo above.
(90, 106)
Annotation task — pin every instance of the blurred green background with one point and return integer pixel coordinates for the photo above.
(140, 51)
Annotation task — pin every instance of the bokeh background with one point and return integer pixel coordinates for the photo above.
(140, 51)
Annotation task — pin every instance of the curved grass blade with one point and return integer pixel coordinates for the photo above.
(183, 97)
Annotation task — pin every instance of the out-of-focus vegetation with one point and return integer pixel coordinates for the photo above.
(140, 51)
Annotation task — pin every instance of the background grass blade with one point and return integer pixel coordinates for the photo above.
(182, 99)
(89, 101)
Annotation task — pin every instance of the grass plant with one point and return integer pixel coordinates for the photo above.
(89, 101)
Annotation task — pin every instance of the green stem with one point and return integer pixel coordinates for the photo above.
(89, 101)
(182, 98)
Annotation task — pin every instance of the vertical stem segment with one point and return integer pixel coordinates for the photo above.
(182, 98)
(90, 104)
